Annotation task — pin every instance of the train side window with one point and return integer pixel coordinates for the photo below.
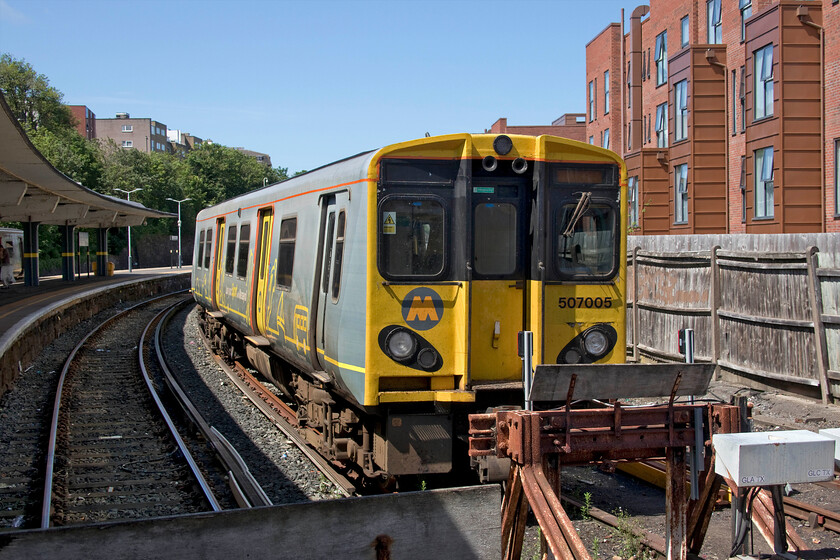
(244, 246)
(286, 254)
(200, 259)
(208, 248)
(495, 238)
(586, 240)
(325, 281)
(339, 255)
(412, 240)
(231, 250)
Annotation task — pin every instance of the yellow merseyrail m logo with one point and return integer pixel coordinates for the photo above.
(422, 309)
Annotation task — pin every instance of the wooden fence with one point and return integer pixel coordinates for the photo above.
(770, 317)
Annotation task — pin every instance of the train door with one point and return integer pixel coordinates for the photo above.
(499, 256)
(218, 264)
(333, 224)
(263, 268)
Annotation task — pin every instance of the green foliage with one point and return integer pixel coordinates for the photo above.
(629, 534)
(587, 506)
(69, 152)
(33, 101)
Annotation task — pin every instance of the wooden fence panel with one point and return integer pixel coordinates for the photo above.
(767, 307)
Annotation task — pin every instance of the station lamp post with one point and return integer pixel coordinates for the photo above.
(179, 226)
(128, 197)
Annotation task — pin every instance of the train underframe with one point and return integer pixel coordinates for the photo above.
(404, 440)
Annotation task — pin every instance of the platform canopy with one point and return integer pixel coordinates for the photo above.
(32, 190)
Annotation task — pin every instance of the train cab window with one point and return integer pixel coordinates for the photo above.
(244, 246)
(286, 255)
(200, 259)
(585, 235)
(208, 248)
(412, 237)
(495, 238)
(338, 256)
(231, 250)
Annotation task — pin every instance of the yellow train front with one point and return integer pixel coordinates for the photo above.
(454, 244)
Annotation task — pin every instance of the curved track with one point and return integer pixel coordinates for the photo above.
(112, 451)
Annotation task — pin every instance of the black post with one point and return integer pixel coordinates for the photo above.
(101, 251)
(68, 252)
(30, 254)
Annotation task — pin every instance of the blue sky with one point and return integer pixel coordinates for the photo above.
(312, 82)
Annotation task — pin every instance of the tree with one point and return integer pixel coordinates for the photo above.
(33, 101)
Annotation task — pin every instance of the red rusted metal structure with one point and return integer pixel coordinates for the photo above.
(540, 443)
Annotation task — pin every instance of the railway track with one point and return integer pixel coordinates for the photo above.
(113, 452)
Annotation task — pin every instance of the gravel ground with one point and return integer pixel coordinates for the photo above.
(284, 472)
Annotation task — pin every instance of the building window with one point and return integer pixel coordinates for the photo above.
(734, 103)
(681, 111)
(662, 126)
(837, 177)
(633, 201)
(127, 128)
(764, 82)
(662, 58)
(742, 97)
(629, 136)
(743, 189)
(629, 88)
(684, 32)
(606, 139)
(714, 33)
(746, 11)
(592, 140)
(606, 92)
(591, 100)
(681, 194)
(764, 182)
(127, 144)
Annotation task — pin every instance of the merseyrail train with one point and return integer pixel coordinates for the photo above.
(383, 293)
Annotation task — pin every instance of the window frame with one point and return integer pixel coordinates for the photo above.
(681, 111)
(446, 207)
(714, 25)
(338, 255)
(661, 125)
(661, 52)
(681, 194)
(128, 128)
(684, 32)
(127, 143)
(763, 82)
(606, 92)
(745, 7)
(200, 256)
(743, 187)
(605, 143)
(230, 249)
(633, 202)
(761, 183)
(591, 100)
(282, 244)
(837, 177)
(243, 247)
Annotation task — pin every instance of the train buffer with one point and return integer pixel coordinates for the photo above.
(539, 443)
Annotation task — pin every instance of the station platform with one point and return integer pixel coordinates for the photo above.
(31, 316)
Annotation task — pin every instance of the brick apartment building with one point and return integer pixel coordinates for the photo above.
(726, 111)
(85, 120)
(570, 125)
(146, 135)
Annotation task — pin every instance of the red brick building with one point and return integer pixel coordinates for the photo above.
(85, 120)
(570, 125)
(727, 113)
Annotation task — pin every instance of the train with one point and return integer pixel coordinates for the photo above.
(383, 293)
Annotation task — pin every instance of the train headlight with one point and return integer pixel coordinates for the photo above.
(401, 345)
(596, 343)
(572, 356)
(427, 358)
